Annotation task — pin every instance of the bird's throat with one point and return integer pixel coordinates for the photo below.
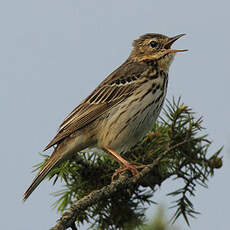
(164, 62)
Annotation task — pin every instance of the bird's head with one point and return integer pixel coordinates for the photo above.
(155, 47)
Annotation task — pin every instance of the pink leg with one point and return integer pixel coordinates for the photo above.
(123, 162)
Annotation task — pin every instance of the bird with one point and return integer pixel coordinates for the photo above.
(120, 111)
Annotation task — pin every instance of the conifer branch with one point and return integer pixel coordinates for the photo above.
(124, 182)
(176, 148)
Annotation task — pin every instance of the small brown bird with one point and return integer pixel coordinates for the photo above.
(121, 110)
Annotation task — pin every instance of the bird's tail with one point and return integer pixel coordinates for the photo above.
(53, 161)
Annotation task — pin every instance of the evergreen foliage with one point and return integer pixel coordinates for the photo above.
(179, 150)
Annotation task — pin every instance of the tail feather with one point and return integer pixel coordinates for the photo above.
(50, 164)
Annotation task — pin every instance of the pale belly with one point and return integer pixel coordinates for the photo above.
(129, 122)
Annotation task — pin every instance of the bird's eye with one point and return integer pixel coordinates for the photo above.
(153, 44)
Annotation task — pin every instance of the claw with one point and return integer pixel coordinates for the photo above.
(132, 168)
(125, 165)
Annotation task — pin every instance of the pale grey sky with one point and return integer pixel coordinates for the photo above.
(55, 52)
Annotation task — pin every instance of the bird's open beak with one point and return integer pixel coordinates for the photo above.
(168, 45)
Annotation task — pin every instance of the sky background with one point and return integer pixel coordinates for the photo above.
(53, 53)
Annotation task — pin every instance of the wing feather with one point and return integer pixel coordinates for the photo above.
(113, 90)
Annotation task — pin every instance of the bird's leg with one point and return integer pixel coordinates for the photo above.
(125, 165)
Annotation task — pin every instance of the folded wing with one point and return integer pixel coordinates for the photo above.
(113, 90)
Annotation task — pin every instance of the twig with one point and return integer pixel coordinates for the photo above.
(124, 182)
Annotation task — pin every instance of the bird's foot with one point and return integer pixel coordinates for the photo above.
(129, 167)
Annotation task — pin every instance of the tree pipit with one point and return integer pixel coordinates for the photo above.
(121, 110)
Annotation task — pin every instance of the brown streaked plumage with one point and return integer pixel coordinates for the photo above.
(119, 112)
